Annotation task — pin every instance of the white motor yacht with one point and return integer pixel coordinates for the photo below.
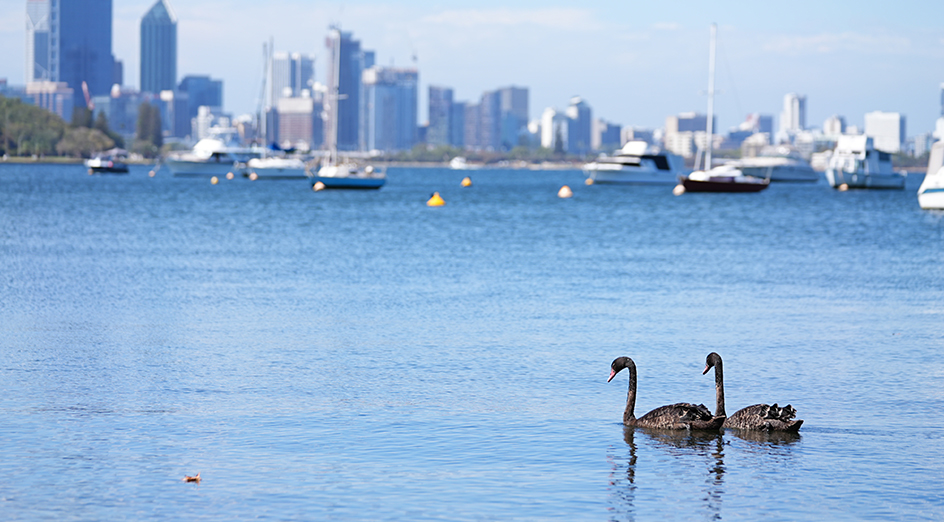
(857, 164)
(277, 167)
(636, 163)
(777, 164)
(211, 157)
(931, 193)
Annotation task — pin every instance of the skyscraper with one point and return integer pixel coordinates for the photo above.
(440, 116)
(343, 101)
(580, 119)
(202, 92)
(391, 96)
(887, 130)
(793, 118)
(291, 74)
(159, 49)
(39, 63)
(70, 41)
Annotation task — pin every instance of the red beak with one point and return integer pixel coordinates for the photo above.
(612, 374)
(706, 369)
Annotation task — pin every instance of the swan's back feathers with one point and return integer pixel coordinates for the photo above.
(682, 415)
(764, 417)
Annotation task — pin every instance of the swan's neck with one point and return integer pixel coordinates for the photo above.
(719, 390)
(628, 415)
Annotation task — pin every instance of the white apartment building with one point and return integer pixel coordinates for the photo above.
(887, 130)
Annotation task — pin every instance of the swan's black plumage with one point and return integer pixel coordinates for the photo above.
(680, 416)
(762, 417)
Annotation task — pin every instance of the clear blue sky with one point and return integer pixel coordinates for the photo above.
(634, 62)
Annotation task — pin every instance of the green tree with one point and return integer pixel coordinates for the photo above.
(81, 117)
(83, 142)
(148, 139)
(26, 129)
(101, 124)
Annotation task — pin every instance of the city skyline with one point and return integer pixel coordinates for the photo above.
(634, 65)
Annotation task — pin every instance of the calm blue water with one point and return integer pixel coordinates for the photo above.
(360, 356)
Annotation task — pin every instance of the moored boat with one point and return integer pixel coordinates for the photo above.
(636, 163)
(276, 167)
(109, 162)
(931, 192)
(212, 156)
(857, 164)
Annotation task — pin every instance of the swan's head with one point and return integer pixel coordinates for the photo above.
(618, 365)
(711, 361)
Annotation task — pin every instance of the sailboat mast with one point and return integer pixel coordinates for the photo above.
(711, 96)
(335, 94)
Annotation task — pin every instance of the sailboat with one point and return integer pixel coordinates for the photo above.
(931, 193)
(335, 173)
(725, 178)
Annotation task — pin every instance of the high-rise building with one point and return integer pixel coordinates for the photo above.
(300, 123)
(472, 122)
(514, 116)
(580, 120)
(85, 46)
(457, 124)
(605, 136)
(554, 130)
(793, 118)
(834, 125)
(55, 97)
(202, 92)
(440, 116)
(343, 100)
(291, 73)
(887, 130)
(391, 98)
(159, 49)
(70, 41)
(502, 118)
(39, 62)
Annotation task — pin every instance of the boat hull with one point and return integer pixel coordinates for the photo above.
(109, 170)
(632, 176)
(202, 168)
(350, 182)
(782, 173)
(931, 199)
(279, 173)
(856, 180)
(692, 185)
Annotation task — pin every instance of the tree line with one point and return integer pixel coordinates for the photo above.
(27, 130)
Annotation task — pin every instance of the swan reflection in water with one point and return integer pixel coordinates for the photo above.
(680, 445)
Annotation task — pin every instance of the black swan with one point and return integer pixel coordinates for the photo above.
(763, 417)
(681, 416)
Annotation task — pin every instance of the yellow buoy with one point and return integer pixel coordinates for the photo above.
(565, 192)
(229, 175)
(466, 181)
(435, 201)
(318, 186)
(843, 187)
(678, 190)
(589, 181)
(214, 180)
